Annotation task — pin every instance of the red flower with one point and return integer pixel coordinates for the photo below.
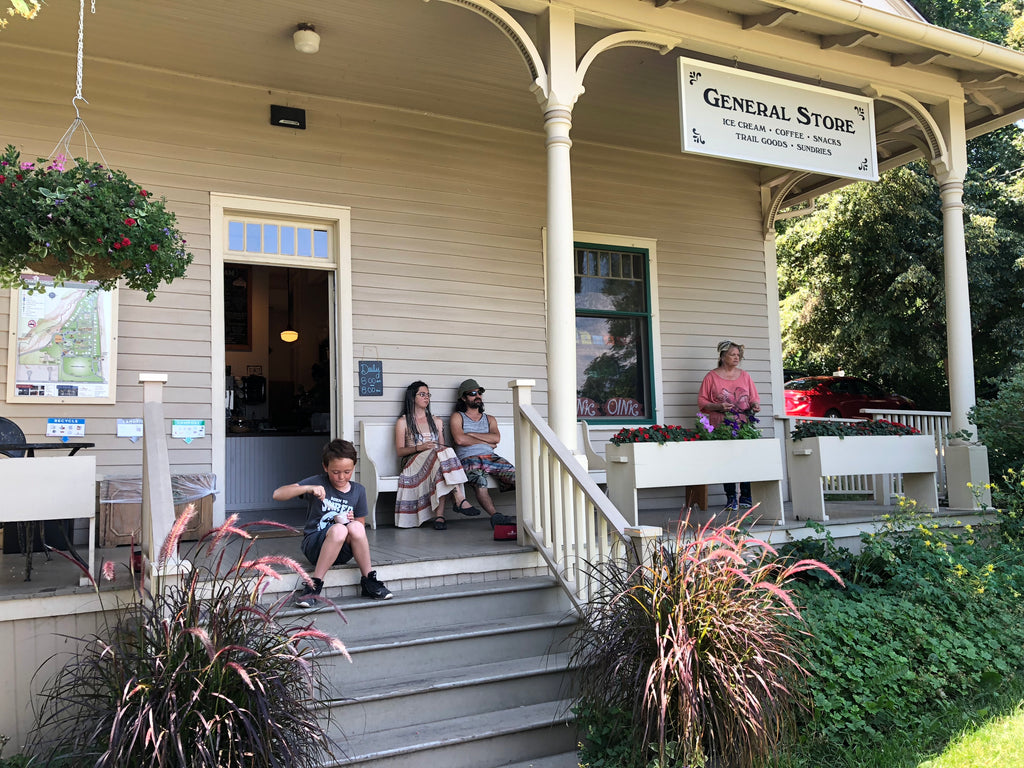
(130, 222)
(144, 193)
(154, 247)
(2, 178)
(99, 239)
(125, 242)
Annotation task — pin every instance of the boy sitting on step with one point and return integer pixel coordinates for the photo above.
(334, 532)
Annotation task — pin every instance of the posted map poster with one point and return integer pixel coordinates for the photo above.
(63, 344)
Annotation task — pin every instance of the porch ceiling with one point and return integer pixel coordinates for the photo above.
(438, 58)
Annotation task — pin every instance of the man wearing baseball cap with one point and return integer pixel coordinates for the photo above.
(476, 435)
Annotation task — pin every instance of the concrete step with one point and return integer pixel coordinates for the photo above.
(435, 607)
(563, 760)
(457, 676)
(428, 695)
(493, 738)
(459, 645)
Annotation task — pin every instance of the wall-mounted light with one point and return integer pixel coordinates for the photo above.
(306, 38)
(289, 334)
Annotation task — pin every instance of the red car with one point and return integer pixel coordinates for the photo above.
(839, 397)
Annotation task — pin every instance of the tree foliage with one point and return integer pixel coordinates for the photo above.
(861, 280)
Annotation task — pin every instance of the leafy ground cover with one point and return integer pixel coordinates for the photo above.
(923, 643)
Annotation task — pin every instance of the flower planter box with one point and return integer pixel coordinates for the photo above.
(814, 458)
(701, 462)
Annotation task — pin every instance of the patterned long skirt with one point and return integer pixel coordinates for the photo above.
(423, 484)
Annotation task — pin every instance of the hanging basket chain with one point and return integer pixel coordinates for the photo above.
(63, 146)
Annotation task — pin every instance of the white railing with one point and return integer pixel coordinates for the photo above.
(935, 423)
(560, 508)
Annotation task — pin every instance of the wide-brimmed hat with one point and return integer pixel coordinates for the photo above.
(468, 386)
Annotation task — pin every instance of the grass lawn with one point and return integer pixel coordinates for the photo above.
(999, 743)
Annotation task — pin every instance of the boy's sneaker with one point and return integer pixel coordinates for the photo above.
(373, 588)
(745, 503)
(499, 519)
(309, 594)
(730, 504)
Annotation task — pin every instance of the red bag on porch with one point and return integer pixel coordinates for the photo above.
(505, 532)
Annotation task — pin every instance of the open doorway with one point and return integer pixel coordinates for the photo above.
(278, 406)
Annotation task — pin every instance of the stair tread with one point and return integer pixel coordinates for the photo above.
(407, 740)
(423, 635)
(426, 594)
(439, 679)
(562, 760)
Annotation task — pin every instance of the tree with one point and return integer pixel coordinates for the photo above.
(861, 279)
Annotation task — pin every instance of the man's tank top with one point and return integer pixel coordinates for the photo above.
(470, 427)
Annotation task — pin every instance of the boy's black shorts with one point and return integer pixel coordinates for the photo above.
(312, 544)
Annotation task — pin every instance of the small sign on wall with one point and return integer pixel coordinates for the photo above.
(371, 378)
(188, 429)
(65, 428)
(130, 428)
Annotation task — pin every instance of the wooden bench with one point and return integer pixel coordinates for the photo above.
(379, 465)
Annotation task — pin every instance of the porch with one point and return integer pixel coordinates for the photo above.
(421, 557)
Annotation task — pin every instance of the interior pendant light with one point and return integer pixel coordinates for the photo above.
(289, 334)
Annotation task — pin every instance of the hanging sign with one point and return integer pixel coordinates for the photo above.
(766, 120)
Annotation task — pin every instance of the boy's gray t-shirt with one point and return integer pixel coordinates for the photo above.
(320, 513)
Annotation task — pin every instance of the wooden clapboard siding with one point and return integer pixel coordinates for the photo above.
(446, 236)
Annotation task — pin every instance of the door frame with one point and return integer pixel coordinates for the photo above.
(339, 220)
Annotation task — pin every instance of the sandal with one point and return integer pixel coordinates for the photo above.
(440, 524)
(468, 511)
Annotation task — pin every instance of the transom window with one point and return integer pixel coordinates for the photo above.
(262, 237)
(613, 331)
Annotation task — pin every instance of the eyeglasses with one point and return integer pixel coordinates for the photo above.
(422, 394)
(471, 393)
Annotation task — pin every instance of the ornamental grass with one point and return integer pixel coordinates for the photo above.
(206, 674)
(687, 659)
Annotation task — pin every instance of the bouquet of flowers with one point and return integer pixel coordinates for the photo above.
(80, 222)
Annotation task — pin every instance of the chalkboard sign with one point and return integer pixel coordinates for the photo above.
(238, 308)
(371, 378)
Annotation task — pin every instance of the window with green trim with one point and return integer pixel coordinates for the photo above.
(613, 332)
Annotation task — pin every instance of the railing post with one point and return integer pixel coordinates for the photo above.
(157, 497)
(522, 394)
(640, 539)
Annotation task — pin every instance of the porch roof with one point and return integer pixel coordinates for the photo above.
(437, 58)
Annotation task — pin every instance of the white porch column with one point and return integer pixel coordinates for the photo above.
(561, 295)
(964, 463)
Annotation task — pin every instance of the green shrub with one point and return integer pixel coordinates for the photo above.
(931, 626)
(203, 674)
(1000, 424)
(686, 658)
(20, 760)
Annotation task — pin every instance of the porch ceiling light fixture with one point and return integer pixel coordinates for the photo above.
(306, 38)
(289, 334)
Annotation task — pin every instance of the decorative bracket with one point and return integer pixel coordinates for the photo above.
(778, 199)
(937, 151)
(511, 28)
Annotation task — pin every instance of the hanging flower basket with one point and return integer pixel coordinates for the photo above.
(81, 222)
